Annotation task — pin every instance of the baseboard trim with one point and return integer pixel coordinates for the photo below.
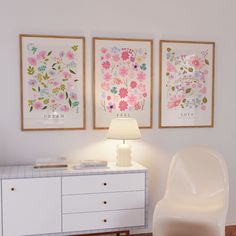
(230, 230)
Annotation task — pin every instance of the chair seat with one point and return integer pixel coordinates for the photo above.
(196, 198)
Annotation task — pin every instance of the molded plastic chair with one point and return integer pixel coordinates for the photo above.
(196, 196)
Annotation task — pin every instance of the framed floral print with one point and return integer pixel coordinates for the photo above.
(52, 82)
(186, 84)
(122, 80)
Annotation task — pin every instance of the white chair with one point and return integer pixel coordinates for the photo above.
(196, 196)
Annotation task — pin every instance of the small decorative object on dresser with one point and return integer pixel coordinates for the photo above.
(123, 129)
(70, 201)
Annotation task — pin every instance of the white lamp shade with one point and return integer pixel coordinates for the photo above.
(123, 128)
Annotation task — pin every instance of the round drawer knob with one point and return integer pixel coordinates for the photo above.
(12, 189)
(105, 220)
(105, 184)
(105, 202)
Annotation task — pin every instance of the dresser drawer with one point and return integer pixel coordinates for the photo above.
(103, 220)
(103, 202)
(103, 183)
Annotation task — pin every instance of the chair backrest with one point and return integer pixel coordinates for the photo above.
(198, 176)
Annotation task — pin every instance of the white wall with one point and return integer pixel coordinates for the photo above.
(209, 20)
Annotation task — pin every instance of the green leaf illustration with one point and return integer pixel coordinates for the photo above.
(66, 95)
(38, 88)
(71, 71)
(70, 102)
(31, 70)
(34, 89)
(76, 80)
(190, 69)
(75, 104)
(188, 90)
(46, 77)
(75, 47)
(114, 90)
(31, 109)
(46, 101)
(62, 87)
(34, 49)
(206, 61)
(49, 53)
(44, 108)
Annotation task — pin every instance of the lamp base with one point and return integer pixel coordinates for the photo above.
(123, 157)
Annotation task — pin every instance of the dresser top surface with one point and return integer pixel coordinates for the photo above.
(27, 171)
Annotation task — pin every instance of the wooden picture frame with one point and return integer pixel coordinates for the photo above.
(52, 82)
(122, 80)
(186, 89)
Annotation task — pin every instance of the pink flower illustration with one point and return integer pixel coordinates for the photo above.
(203, 90)
(38, 105)
(70, 55)
(125, 55)
(66, 75)
(73, 96)
(116, 58)
(32, 82)
(170, 67)
(117, 81)
(123, 92)
(61, 96)
(107, 76)
(69, 86)
(123, 71)
(123, 105)
(111, 106)
(55, 83)
(132, 99)
(174, 102)
(108, 56)
(64, 108)
(106, 65)
(132, 59)
(141, 76)
(41, 55)
(137, 106)
(32, 61)
(144, 95)
(133, 84)
(103, 50)
(142, 88)
(108, 98)
(195, 62)
(105, 86)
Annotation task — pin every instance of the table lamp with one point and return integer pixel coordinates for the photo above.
(123, 129)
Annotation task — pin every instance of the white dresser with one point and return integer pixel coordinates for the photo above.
(70, 202)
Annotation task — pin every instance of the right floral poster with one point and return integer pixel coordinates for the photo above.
(186, 84)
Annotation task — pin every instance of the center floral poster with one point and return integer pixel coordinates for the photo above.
(122, 81)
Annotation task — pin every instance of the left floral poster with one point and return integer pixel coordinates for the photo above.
(52, 82)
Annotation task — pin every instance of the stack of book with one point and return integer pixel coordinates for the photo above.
(60, 162)
(91, 164)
